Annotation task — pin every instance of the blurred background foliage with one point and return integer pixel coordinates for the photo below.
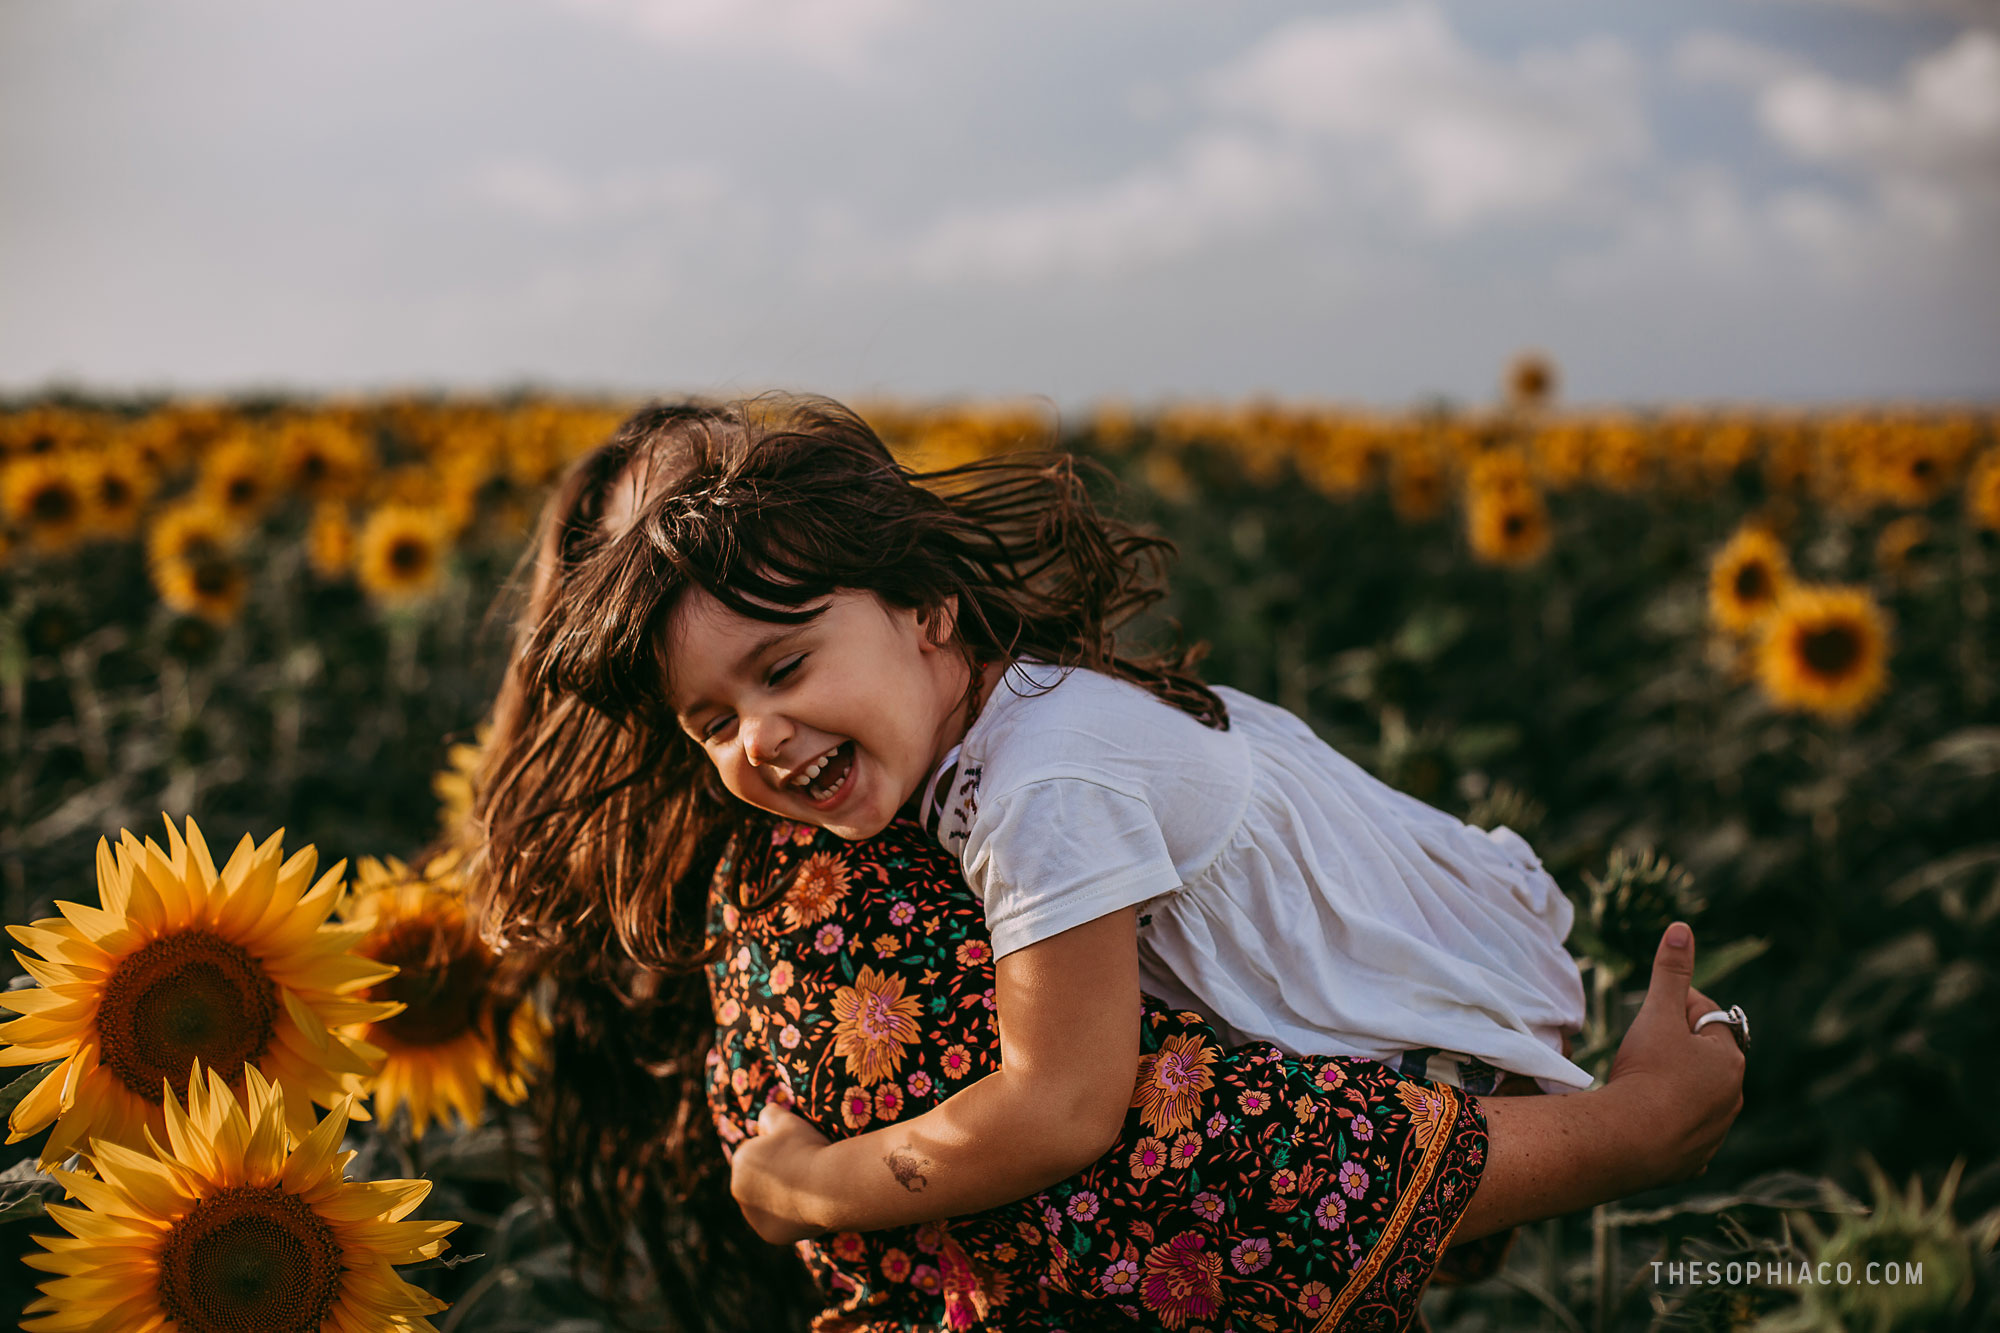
(1730, 666)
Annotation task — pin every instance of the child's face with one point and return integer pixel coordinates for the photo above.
(863, 687)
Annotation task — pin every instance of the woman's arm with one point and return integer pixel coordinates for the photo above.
(1671, 1097)
(1069, 1052)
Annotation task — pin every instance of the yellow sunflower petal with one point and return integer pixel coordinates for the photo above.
(152, 1183)
(38, 1108)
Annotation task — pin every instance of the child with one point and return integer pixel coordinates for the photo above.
(784, 612)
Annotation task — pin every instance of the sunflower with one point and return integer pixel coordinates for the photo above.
(1982, 491)
(115, 487)
(454, 784)
(401, 552)
(1336, 459)
(1531, 380)
(234, 1224)
(1824, 650)
(465, 476)
(45, 498)
(186, 530)
(444, 1048)
(330, 540)
(1562, 454)
(236, 479)
(1906, 463)
(185, 962)
(207, 584)
(44, 430)
(322, 459)
(1499, 470)
(1622, 457)
(1790, 454)
(1727, 447)
(1748, 576)
(1900, 544)
(1507, 525)
(1417, 482)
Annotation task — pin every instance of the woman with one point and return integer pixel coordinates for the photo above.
(1313, 1192)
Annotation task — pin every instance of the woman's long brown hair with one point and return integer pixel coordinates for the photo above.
(599, 826)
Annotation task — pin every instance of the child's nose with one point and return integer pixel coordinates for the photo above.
(763, 738)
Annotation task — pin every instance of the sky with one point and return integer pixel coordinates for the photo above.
(1151, 200)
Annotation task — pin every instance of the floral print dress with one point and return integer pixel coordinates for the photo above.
(1249, 1190)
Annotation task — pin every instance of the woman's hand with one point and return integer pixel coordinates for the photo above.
(1659, 1117)
(768, 1173)
(1679, 1089)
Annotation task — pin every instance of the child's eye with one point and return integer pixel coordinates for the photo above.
(715, 726)
(787, 667)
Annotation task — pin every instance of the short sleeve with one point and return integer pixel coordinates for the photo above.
(1058, 852)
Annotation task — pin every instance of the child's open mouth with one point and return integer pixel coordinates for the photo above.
(830, 783)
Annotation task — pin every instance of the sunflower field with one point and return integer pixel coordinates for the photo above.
(1731, 666)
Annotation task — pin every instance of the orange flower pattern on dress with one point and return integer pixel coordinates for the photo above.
(817, 890)
(1171, 1084)
(873, 1022)
(1213, 1207)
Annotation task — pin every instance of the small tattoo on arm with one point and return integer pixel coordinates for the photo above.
(908, 1168)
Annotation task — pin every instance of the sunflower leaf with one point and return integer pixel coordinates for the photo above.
(11, 1095)
(1714, 964)
(25, 1192)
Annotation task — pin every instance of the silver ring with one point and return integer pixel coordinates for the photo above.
(1737, 1020)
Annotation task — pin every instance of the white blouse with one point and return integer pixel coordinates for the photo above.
(1285, 894)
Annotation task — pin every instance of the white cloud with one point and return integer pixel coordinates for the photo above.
(1942, 126)
(835, 35)
(1387, 111)
(1218, 185)
(1473, 138)
(1923, 148)
(1927, 147)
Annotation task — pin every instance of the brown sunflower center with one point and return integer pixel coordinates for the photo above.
(408, 556)
(444, 982)
(197, 545)
(314, 467)
(1514, 525)
(252, 1259)
(1830, 650)
(241, 491)
(113, 491)
(53, 504)
(213, 578)
(188, 996)
(1752, 583)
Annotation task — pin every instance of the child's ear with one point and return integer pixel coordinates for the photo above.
(940, 622)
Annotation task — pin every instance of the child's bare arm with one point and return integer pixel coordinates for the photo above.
(1670, 1098)
(1069, 1051)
